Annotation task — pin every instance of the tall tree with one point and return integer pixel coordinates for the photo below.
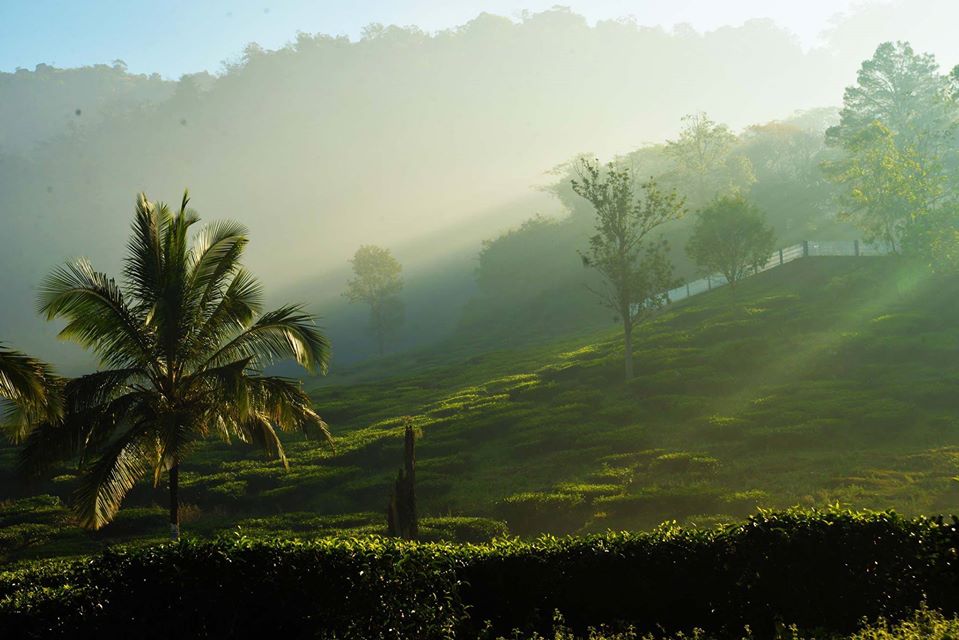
(635, 267)
(897, 132)
(182, 344)
(904, 91)
(705, 161)
(731, 237)
(888, 189)
(377, 282)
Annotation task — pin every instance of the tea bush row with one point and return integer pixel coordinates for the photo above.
(822, 571)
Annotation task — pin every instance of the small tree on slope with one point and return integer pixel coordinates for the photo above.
(730, 236)
(635, 268)
(377, 282)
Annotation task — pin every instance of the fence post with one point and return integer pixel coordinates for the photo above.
(855, 244)
(805, 248)
(781, 262)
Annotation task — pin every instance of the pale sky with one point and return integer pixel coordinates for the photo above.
(174, 37)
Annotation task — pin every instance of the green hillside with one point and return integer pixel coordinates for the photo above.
(827, 380)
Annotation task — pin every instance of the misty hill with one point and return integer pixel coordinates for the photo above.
(47, 103)
(393, 139)
(826, 380)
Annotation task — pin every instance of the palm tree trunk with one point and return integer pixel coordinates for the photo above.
(174, 502)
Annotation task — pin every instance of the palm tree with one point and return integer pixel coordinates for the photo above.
(181, 347)
(31, 389)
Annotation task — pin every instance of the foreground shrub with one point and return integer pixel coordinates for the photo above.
(823, 572)
(817, 570)
(324, 589)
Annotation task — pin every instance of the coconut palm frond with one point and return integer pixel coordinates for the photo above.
(106, 482)
(144, 262)
(31, 390)
(287, 405)
(234, 311)
(215, 257)
(97, 314)
(258, 431)
(94, 389)
(288, 332)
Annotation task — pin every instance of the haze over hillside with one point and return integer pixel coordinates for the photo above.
(479, 319)
(426, 143)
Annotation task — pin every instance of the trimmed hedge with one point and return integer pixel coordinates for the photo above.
(818, 570)
(373, 588)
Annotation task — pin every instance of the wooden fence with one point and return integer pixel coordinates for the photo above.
(805, 249)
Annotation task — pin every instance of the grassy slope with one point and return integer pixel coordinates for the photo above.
(830, 379)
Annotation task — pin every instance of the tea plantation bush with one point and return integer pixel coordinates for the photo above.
(821, 571)
(370, 588)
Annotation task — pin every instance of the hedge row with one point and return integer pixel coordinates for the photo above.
(818, 570)
(370, 588)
